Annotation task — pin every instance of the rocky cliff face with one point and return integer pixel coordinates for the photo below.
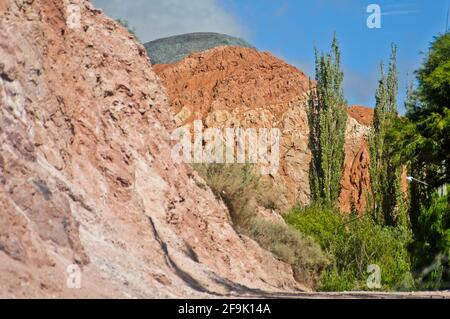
(86, 176)
(232, 86)
(355, 181)
(240, 87)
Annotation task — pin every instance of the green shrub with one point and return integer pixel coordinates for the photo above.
(353, 244)
(432, 245)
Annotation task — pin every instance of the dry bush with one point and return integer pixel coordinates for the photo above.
(242, 192)
(289, 245)
(239, 188)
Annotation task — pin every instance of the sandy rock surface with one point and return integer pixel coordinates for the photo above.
(86, 175)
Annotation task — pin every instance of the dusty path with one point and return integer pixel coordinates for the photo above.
(353, 295)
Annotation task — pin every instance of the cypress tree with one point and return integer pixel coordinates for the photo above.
(376, 147)
(388, 201)
(328, 122)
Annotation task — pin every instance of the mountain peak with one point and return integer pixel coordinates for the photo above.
(176, 48)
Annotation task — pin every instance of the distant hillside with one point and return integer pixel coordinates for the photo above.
(176, 48)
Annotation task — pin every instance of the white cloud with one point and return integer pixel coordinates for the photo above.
(398, 12)
(394, 9)
(155, 19)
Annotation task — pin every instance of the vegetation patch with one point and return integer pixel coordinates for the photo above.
(242, 191)
(353, 244)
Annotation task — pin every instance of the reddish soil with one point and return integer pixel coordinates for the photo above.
(362, 114)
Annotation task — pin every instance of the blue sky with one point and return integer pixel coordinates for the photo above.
(291, 28)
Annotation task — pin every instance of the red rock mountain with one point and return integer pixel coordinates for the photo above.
(86, 176)
(234, 86)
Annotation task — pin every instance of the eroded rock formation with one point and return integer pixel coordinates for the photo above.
(240, 87)
(86, 175)
(355, 181)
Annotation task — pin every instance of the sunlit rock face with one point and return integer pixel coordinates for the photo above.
(87, 181)
(230, 87)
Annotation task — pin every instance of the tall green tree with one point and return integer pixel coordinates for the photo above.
(421, 139)
(388, 200)
(376, 147)
(328, 122)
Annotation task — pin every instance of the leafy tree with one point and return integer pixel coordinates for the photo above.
(327, 120)
(387, 200)
(422, 140)
(432, 250)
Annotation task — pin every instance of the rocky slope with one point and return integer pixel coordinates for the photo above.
(234, 86)
(86, 175)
